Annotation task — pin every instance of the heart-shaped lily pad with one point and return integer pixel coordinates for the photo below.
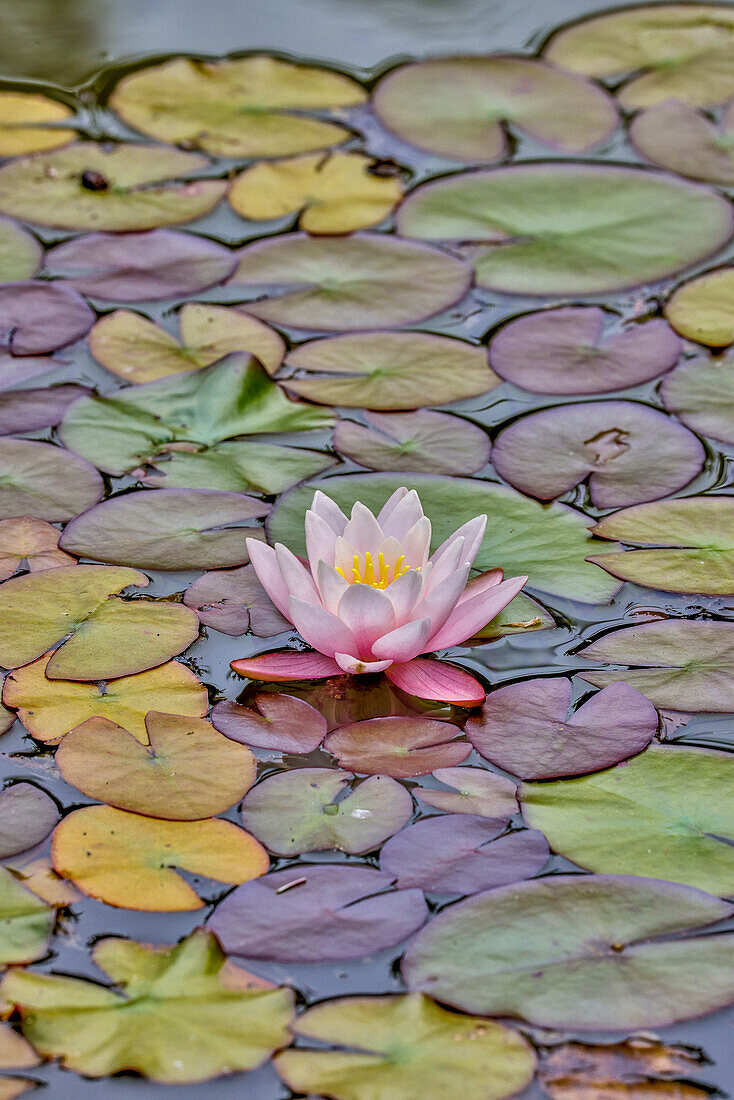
(527, 728)
(162, 778)
(389, 370)
(281, 722)
(132, 187)
(234, 602)
(26, 922)
(27, 816)
(325, 194)
(596, 952)
(461, 854)
(44, 481)
(244, 107)
(629, 452)
(678, 663)
(693, 539)
(36, 317)
(675, 136)
(132, 862)
(315, 912)
(313, 809)
(703, 309)
(30, 543)
(400, 747)
(138, 267)
(432, 442)
(144, 1023)
(666, 51)
(666, 815)
(137, 349)
(405, 1046)
(567, 350)
(101, 637)
(30, 410)
(626, 226)
(50, 708)
(553, 107)
(475, 791)
(700, 392)
(29, 123)
(236, 466)
(365, 281)
(20, 253)
(550, 544)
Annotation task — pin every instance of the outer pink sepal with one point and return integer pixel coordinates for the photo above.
(287, 664)
(437, 680)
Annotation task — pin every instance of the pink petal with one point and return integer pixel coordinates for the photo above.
(265, 563)
(404, 643)
(439, 602)
(416, 544)
(355, 667)
(286, 664)
(438, 571)
(329, 511)
(297, 578)
(363, 530)
(482, 583)
(369, 614)
(332, 586)
(404, 593)
(472, 532)
(320, 628)
(390, 505)
(404, 515)
(320, 541)
(467, 618)
(437, 680)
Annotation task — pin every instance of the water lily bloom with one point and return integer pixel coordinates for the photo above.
(371, 599)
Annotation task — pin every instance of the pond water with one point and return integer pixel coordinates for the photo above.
(609, 390)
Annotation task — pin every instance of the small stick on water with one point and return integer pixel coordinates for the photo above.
(290, 885)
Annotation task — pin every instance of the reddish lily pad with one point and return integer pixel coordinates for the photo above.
(629, 452)
(234, 602)
(569, 1069)
(676, 136)
(37, 317)
(31, 410)
(317, 912)
(475, 791)
(33, 543)
(47, 482)
(432, 442)
(15, 369)
(700, 392)
(281, 722)
(27, 816)
(571, 350)
(399, 747)
(528, 729)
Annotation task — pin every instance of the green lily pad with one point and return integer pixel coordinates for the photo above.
(588, 952)
(693, 539)
(521, 615)
(246, 107)
(625, 226)
(676, 136)
(404, 1048)
(665, 814)
(20, 253)
(26, 922)
(700, 392)
(548, 542)
(703, 309)
(176, 1014)
(232, 398)
(37, 479)
(236, 466)
(101, 637)
(433, 442)
(132, 187)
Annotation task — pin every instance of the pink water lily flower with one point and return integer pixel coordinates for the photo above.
(370, 599)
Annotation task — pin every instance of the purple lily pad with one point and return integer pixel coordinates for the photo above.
(37, 479)
(165, 529)
(475, 791)
(234, 602)
(38, 317)
(674, 135)
(400, 747)
(527, 730)
(629, 452)
(27, 816)
(316, 913)
(138, 267)
(461, 854)
(30, 410)
(284, 723)
(568, 351)
(428, 441)
(15, 369)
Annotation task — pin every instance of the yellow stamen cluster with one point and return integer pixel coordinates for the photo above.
(379, 578)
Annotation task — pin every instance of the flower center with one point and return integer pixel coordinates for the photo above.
(379, 577)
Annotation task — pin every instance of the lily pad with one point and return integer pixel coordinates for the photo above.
(700, 392)
(679, 664)
(166, 529)
(462, 854)
(597, 952)
(389, 370)
(30, 543)
(15, 369)
(314, 809)
(336, 193)
(30, 410)
(403, 1048)
(553, 107)
(101, 637)
(144, 1023)
(549, 543)
(27, 816)
(693, 540)
(26, 922)
(162, 778)
(400, 747)
(365, 281)
(666, 51)
(133, 187)
(51, 708)
(626, 226)
(475, 791)
(235, 466)
(15, 1051)
(528, 728)
(522, 614)
(234, 602)
(432, 442)
(316, 912)
(138, 267)
(675, 136)
(36, 317)
(568, 351)
(641, 1063)
(244, 107)
(703, 309)
(664, 815)
(20, 253)
(46, 482)
(29, 123)
(629, 452)
(138, 350)
(281, 722)
(234, 397)
(133, 862)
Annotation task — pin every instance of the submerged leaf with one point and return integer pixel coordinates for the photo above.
(475, 791)
(399, 747)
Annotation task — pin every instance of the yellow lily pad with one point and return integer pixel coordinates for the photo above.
(33, 541)
(703, 309)
(28, 123)
(15, 1051)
